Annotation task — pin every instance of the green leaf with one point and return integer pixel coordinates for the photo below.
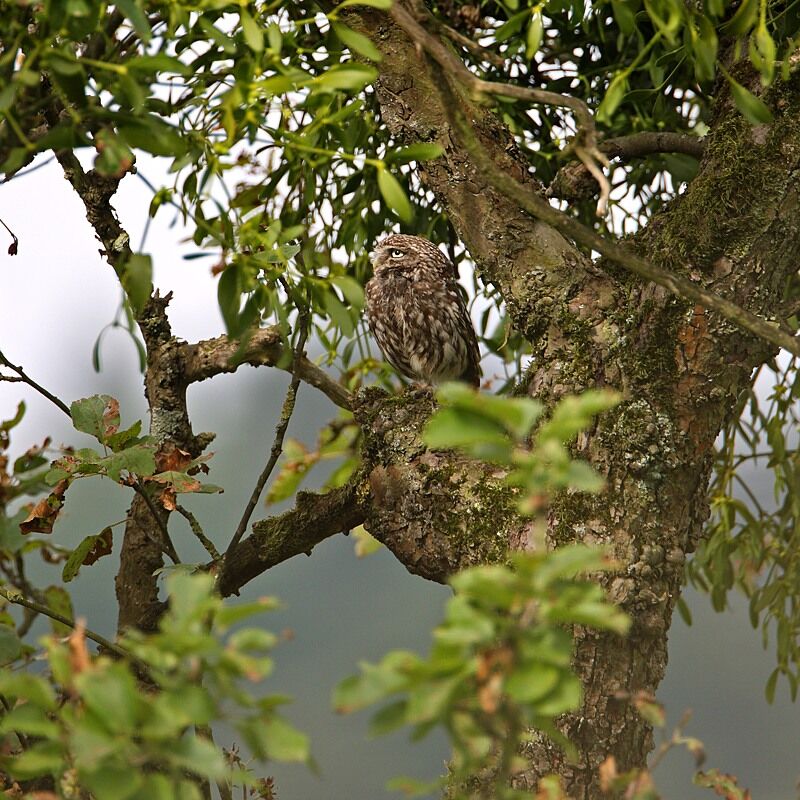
(613, 97)
(753, 108)
(137, 280)
(111, 782)
(351, 289)
(381, 4)
(275, 739)
(346, 76)
(10, 644)
(112, 688)
(338, 313)
(574, 413)
(158, 62)
(27, 687)
(87, 552)
(229, 299)
(772, 682)
(566, 696)
(357, 42)
(118, 441)
(744, 18)
(516, 414)
(29, 719)
(133, 11)
(459, 427)
(231, 614)
(389, 718)
(253, 34)
(8, 424)
(97, 415)
(58, 600)
(530, 683)
(533, 40)
(42, 758)
(421, 151)
(394, 195)
(200, 756)
(138, 459)
(624, 15)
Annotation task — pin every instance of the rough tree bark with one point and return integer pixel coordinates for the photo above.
(680, 368)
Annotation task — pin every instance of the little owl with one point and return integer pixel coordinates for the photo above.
(416, 312)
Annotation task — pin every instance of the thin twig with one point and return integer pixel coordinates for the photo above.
(13, 247)
(476, 49)
(197, 530)
(32, 383)
(166, 545)
(585, 145)
(40, 608)
(280, 433)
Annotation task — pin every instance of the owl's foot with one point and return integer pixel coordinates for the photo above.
(421, 389)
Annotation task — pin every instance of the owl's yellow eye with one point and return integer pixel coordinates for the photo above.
(395, 253)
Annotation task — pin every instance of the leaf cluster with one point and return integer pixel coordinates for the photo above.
(501, 430)
(140, 727)
(499, 664)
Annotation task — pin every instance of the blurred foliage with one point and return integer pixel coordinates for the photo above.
(754, 541)
(499, 665)
(139, 726)
(500, 429)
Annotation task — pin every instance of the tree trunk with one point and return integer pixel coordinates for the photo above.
(680, 368)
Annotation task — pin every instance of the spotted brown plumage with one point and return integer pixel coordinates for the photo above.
(417, 314)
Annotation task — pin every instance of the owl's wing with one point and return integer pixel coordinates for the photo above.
(472, 373)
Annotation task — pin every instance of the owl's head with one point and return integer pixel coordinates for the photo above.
(400, 252)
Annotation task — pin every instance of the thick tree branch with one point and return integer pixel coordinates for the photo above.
(22, 377)
(646, 142)
(538, 207)
(314, 518)
(469, 44)
(96, 191)
(210, 357)
(574, 182)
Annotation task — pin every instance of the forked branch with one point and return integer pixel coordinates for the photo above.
(210, 357)
(538, 207)
(585, 146)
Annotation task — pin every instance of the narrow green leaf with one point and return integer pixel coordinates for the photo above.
(357, 42)
(347, 76)
(252, 31)
(133, 11)
(381, 4)
(394, 195)
(753, 108)
(137, 280)
(614, 96)
(421, 151)
(533, 40)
